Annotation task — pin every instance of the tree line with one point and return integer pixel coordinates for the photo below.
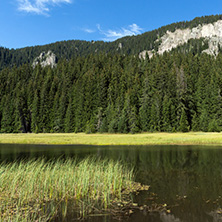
(114, 93)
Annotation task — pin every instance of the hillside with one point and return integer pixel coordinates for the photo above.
(131, 45)
(102, 87)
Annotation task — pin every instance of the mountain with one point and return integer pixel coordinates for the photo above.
(80, 86)
(156, 41)
(209, 34)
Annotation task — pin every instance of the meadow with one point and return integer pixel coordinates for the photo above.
(35, 190)
(191, 138)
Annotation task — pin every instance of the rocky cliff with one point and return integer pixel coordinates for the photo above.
(210, 32)
(45, 59)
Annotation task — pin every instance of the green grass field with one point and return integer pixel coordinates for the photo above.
(191, 138)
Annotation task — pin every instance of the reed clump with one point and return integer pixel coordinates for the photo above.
(28, 187)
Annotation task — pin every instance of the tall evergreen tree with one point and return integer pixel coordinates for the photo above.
(184, 127)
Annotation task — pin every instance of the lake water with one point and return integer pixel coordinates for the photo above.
(187, 179)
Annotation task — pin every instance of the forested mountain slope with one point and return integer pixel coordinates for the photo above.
(106, 93)
(131, 45)
(101, 87)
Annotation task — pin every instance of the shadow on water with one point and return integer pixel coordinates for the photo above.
(185, 179)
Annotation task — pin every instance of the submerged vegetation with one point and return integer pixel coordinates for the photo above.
(33, 190)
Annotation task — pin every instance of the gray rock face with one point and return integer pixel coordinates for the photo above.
(120, 46)
(143, 54)
(210, 32)
(45, 59)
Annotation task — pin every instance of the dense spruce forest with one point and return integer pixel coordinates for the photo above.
(101, 87)
(114, 93)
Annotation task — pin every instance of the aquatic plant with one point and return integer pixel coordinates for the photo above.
(33, 190)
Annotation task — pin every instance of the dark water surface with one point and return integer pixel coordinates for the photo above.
(188, 179)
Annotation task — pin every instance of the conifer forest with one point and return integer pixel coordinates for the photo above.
(114, 93)
(106, 87)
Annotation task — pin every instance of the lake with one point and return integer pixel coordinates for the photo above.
(186, 179)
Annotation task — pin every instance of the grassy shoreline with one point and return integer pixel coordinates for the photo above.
(28, 189)
(191, 138)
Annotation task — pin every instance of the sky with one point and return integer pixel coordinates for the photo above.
(38, 22)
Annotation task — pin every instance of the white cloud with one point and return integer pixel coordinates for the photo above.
(38, 6)
(88, 30)
(111, 35)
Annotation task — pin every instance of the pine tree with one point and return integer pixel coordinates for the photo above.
(7, 115)
(195, 123)
(112, 118)
(145, 107)
(213, 126)
(35, 114)
(69, 118)
(184, 127)
(155, 114)
(204, 120)
(133, 121)
(166, 114)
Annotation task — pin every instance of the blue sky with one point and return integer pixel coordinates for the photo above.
(37, 22)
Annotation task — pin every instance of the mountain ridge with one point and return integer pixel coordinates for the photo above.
(106, 87)
(130, 45)
(211, 32)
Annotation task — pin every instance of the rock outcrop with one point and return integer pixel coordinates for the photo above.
(146, 52)
(211, 32)
(45, 59)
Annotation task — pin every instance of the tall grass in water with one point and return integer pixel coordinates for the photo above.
(27, 188)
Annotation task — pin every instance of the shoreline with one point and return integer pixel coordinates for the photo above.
(43, 191)
(190, 138)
